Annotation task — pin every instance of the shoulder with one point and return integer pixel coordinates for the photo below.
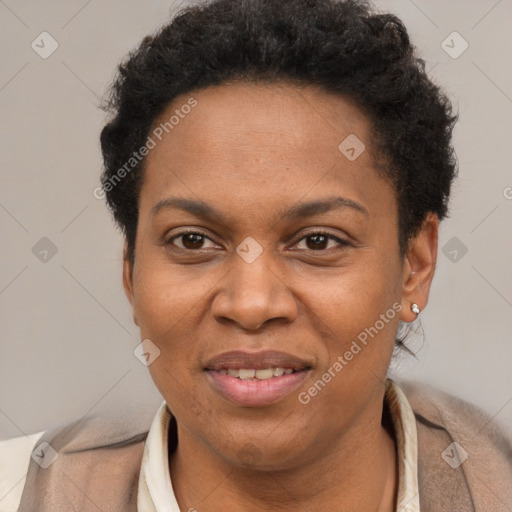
(15, 457)
(456, 437)
(462, 419)
(78, 441)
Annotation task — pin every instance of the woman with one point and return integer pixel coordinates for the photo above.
(279, 170)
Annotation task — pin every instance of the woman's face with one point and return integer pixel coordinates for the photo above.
(256, 287)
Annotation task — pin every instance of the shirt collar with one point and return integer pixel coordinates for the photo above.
(155, 492)
(404, 423)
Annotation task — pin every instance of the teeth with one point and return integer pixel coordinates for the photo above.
(246, 374)
(252, 374)
(267, 373)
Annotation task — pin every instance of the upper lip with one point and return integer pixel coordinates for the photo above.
(256, 360)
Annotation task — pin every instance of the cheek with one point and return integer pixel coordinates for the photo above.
(359, 312)
(356, 294)
(166, 296)
(171, 301)
(167, 307)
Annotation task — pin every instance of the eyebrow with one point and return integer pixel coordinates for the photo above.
(301, 210)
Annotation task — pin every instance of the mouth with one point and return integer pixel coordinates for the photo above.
(254, 374)
(253, 379)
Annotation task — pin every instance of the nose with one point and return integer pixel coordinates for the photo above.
(253, 294)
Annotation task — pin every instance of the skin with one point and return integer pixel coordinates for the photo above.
(252, 151)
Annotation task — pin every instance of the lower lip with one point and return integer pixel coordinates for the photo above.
(254, 393)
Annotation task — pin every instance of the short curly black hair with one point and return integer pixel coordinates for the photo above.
(345, 47)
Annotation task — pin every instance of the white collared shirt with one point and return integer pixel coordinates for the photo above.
(155, 492)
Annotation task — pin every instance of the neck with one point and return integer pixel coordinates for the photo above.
(356, 472)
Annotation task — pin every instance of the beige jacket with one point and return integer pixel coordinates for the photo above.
(464, 460)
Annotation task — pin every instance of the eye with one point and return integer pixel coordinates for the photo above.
(190, 240)
(315, 241)
(319, 241)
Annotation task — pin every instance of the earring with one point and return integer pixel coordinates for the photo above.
(415, 309)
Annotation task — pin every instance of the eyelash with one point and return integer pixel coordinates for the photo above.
(342, 243)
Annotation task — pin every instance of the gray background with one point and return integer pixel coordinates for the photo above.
(67, 332)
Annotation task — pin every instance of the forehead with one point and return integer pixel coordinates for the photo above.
(245, 114)
(258, 142)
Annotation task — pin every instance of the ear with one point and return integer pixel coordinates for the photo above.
(128, 281)
(419, 266)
